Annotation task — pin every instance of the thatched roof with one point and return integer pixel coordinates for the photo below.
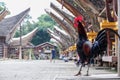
(25, 39)
(69, 18)
(56, 42)
(65, 39)
(61, 31)
(61, 36)
(51, 33)
(45, 44)
(62, 23)
(9, 25)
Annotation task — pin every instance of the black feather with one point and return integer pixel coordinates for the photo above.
(100, 43)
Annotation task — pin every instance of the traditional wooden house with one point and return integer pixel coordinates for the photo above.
(8, 27)
(25, 45)
(45, 48)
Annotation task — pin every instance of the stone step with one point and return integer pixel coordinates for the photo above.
(92, 77)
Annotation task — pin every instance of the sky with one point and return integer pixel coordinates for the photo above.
(37, 6)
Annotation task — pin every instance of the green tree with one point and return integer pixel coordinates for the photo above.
(41, 37)
(44, 22)
(2, 6)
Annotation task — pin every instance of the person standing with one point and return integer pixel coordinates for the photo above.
(53, 53)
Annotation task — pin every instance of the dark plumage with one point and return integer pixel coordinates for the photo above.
(88, 50)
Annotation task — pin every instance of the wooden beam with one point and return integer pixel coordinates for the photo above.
(119, 40)
(108, 11)
(91, 11)
(69, 7)
(87, 5)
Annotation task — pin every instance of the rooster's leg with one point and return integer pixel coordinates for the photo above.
(88, 70)
(79, 73)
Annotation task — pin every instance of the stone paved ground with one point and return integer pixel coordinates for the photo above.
(42, 70)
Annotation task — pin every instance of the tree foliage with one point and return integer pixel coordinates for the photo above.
(40, 37)
(2, 6)
(44, 22)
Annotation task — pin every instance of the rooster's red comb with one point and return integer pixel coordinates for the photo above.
(76, 19)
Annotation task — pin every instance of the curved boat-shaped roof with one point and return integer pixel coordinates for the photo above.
(61, 31)
(62, 23)
(25, 39)
(69, 18)
(9, 25)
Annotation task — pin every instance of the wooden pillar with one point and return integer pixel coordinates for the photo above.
(30, 54)
(5, 51)
(20, 52)
(116, 45)
(119, 40)
(4, 54)
(20, 47)
(108, 47)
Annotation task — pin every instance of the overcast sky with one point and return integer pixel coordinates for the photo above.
(37, 6)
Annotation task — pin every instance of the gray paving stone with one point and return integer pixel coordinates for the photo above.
(92, 77)
(43, 70)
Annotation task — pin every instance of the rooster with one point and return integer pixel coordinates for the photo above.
(89, 50)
